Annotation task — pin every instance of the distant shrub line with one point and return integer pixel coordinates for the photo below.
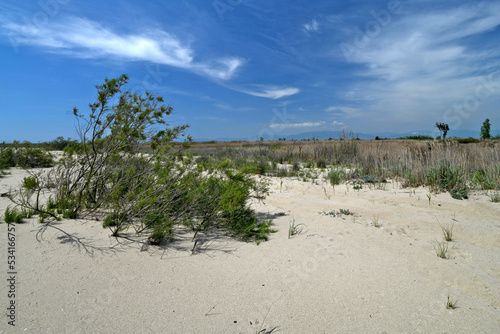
(440, 165)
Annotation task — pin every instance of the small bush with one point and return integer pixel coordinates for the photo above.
(7, 158)
(68, 214)
(334, 176)
(114, 219)
(466, 140)
(370, 179)
(33, 157)
(13, 216)
(459, 194)
(321, 164)
(25, 157)
(346, 212)
(161, 232)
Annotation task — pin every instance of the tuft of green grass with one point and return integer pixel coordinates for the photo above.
(441, 249)
(294, 229)
(376, 223)
(334, 176)
(451, 304)
(447, 232)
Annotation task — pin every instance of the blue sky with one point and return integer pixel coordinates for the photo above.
(251, 68)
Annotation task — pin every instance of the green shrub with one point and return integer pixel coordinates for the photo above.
(346, 212)
(33, 157)
(114, 219)
(370, 179)
(107, 173)
(421, 137)
(466, 140)
(161, 232)
(321, 164)
(13, 216)
(26, 157)
(334, 176)
(68, 214)
(310, 164)
(459, 194)
(7, 158)
(262, 167)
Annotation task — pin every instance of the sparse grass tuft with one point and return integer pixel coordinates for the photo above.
(495, 197)
(376, 223)
(441, 249)
(294, 229)
(451, 304)
(447, 232)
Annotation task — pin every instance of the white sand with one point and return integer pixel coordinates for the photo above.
(340, 275)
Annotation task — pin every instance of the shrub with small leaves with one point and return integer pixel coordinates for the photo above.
(13, 216)
(459, 194)
(346, 212)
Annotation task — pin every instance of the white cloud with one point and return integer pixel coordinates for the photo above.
(421, 64)
(297, 125)
(83, 38)
(272, 92)
(312, 26)
(335, 123)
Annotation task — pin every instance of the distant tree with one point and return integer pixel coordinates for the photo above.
(485, 130)
(443, 129)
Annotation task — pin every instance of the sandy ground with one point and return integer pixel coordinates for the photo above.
(342, 274)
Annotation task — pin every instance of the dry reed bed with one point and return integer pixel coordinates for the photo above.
(441, 165)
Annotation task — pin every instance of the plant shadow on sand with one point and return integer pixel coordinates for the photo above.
(185, 242)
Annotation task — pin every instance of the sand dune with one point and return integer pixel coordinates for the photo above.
(342, 274)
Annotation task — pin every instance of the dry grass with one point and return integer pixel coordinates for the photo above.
(441, 165)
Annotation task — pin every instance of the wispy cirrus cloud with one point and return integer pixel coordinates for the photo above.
(88, 39)
(271, 92)
(342, 110)
(311, 26)
(297, 125)
(424, 62)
